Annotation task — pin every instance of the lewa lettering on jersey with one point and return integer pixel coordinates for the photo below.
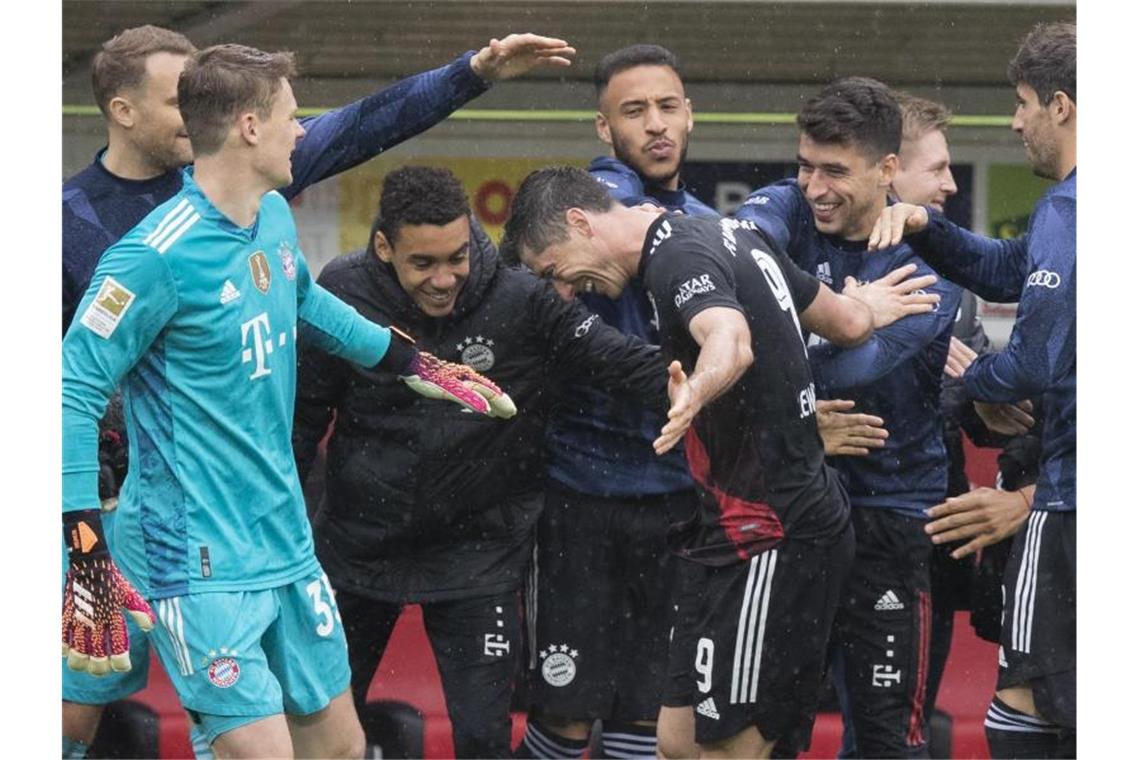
(691, 288)
(259, 270)
(108, 307)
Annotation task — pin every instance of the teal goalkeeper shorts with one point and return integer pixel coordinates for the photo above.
(237, 657)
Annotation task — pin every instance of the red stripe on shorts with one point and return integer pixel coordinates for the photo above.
(915, 736)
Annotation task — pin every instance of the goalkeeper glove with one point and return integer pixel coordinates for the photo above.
(95, 636)
(433, 377)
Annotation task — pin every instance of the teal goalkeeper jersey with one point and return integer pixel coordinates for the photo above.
(197, 319)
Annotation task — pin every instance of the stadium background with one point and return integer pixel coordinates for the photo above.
(748, 66)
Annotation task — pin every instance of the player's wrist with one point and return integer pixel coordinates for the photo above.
(401, 353)
(83, 534)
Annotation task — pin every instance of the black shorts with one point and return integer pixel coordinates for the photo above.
(881, 643)
(476, 643)
(754, 636)
(602, 604)
(1039, 615)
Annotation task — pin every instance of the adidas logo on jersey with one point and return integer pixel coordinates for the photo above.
(888, 601)
(823, 273)
(708, 709)
(229, 292)
(663, 234)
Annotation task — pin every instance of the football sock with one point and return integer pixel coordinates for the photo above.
(627, 740)
(1014, 734)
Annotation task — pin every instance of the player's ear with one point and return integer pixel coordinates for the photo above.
(602, 126)
(888, 169)
(382, 247)
(249, 127)
(1062, 108)
(577, 219)
(689, 113)
(120, 111)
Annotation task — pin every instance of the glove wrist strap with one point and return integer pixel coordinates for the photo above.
(83, 534)
(400, 354)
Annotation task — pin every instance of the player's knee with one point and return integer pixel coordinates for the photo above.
(80, 721)
(354, 743)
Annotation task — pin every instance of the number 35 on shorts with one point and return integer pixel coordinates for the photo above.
(319, 591)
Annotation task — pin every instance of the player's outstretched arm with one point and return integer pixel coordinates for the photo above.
(726, 352)
(517, 54)
(95, 636)
(984, 516)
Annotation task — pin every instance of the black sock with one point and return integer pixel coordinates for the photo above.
(540, 742)
(628, 740)
(1014, 734)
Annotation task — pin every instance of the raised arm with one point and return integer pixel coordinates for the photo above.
(345, 137)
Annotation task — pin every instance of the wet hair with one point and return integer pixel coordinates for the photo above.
(418, 195)
(538, 211)
(627, 58)
(1047, 61)
(920, 116)
(856, 111)
(121, 62)
(223, 81)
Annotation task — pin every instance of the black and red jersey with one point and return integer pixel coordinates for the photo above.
(755, 451)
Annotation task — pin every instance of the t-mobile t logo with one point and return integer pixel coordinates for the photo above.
(257, 331)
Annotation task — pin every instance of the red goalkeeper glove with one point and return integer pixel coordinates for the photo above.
(433, 377)
(94, 630)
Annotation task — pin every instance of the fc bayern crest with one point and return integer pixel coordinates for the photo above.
(558, 664)
(288, 263)
(476, 352)
(259, 270)
(224, 672)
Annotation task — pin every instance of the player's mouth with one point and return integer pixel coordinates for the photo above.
(438, 299)
(939, 204)
(825, 212)
(661, 149)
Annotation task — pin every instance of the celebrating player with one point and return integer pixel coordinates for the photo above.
(1034, 711)
(772, 540)
(135, 77)
(195, 312)
(425, 504)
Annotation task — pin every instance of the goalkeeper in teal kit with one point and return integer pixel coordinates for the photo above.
(195, 313)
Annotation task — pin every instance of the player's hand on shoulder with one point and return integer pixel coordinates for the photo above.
(847, 433)
(517, 54)
(894, 296)
(895, 221)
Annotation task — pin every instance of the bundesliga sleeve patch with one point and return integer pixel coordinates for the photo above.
(106, 311)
